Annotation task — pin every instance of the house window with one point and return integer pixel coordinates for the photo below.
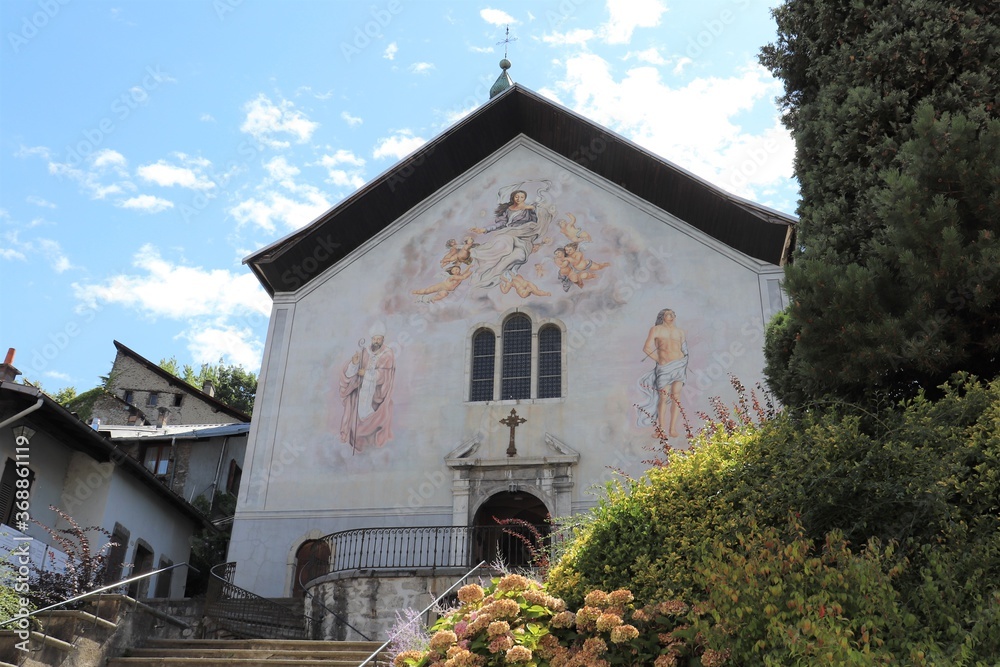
(233, 481)
(154, 398)
(163, 579)
(484, 344)
(129, 396)
(157, 459)
(177, 400)
(9, 488)
(549, 362)
(530, 361)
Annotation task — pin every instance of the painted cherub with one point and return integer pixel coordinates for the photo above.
(447, 286)
(572, 232)
(581, 263)
(459, 254)
(523, 287)
(568, 275)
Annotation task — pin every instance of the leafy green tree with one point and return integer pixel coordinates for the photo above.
(234, 385)
(895, 283)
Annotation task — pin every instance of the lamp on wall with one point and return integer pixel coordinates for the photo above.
(23, 432)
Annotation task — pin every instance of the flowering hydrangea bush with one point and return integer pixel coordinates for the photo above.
(515, 622)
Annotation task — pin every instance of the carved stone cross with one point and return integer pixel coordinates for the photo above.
(512, 421)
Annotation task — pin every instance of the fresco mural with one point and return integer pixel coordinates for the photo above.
(366, 384)
(666, 344)
(496, 255)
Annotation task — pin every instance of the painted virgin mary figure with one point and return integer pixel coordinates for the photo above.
(516, 232)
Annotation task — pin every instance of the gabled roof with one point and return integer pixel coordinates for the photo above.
(61, 424)
(175, 381)
(293, 261)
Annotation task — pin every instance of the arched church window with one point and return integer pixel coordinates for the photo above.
(549, 362)
(515, 378)
(483, 362)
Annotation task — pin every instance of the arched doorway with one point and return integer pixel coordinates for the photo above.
(311, 560)
(513, 542)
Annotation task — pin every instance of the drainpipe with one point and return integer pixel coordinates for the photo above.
(173, 455)
(218, 471)
(23, 413)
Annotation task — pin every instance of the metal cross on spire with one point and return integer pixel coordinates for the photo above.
(506, 40)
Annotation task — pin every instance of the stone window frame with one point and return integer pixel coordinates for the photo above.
(478, 362)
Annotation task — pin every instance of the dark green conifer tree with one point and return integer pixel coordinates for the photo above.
(895, 283)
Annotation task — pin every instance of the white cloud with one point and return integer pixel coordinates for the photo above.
(391, 51)
(38, 201)
(107, 157)
(650, 55)
(161, 288)
(280, 200)
(577, 37)
(696, 126)
(627, 15)
(217, 309)
(187, 175)
(265, 119)
(421, 68)
(56, 375)
(353, 121)
(481, 49)
(54, 255)
(398, 145)
(345, 169)
(207, 118)
(235, 345)
(94, 172)
(496, 17)
(10, 254)
(681, 64)
(146, 204)
(34, 151)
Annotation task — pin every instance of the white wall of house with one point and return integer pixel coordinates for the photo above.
(301, 477)
(151, 518)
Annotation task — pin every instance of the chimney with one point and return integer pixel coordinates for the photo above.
(209, 388)
(7, 370)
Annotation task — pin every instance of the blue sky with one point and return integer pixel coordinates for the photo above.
(147, 147)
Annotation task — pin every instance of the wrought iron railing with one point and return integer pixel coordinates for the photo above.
(430, 548)
(248, 615)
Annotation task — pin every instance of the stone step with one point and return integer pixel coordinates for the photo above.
(275, 644)
(247, 652)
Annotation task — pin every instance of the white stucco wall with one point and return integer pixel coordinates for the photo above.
(300, 476)
(149, 517)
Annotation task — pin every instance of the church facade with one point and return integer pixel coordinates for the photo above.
(491, 329)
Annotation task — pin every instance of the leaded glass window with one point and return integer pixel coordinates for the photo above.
(549, 362)
(515, 379)
(483, 362)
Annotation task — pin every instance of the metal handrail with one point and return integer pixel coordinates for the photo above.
(251, 609)
(420, 615)
(424, 547)
(97, 591)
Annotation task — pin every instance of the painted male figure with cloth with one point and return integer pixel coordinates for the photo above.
(667, 346)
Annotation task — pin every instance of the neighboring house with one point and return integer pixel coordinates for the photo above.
(194, 461)
(190, 440)
(139, 392)
(468, 337)
(70, 465)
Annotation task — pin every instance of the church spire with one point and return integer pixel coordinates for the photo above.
(504, 81)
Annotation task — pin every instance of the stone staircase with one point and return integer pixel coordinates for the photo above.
(248, 652)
